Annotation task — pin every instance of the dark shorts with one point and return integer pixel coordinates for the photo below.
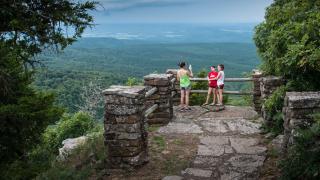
(185, 88)
(213, 86)
(221, 86)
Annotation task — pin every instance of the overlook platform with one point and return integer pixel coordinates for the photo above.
(229, 145)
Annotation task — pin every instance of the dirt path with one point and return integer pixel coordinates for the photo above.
(229, 146)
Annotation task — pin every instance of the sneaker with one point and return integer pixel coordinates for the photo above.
(182, 109)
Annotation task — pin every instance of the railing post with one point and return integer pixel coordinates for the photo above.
(175, 87)
(164, 113)
(257, 102)
(125, 134)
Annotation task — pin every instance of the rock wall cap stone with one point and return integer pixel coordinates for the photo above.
(303, 99)
(126, 91)
(158, 76)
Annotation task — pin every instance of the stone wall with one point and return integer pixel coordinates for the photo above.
(175, 87)
(162, 97)
(125, 132)
(268, 85)
(298, 110)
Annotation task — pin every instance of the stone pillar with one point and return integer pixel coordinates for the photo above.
(125, 134)
(257, 102)
(267, 86)
(162, 97)
(298, 110)
(175, 87)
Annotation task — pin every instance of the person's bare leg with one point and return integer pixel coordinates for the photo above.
(208, 96)
(221, 96)
(182, 98)
(214, 95)
(187, 98)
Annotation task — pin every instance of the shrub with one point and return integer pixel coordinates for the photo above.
(68, 127)
(303, 158)
(40, 158)
(133, 81)
(84, 162)
(273, 106)
(288, 41)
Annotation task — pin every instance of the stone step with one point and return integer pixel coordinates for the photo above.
(196, 173)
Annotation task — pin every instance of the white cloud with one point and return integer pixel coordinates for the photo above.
(118, 5)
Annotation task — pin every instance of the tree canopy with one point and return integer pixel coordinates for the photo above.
(289, 42)
(28, 27)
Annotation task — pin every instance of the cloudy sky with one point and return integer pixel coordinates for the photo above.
(181, 11)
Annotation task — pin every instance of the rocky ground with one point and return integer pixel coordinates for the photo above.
(229, 147)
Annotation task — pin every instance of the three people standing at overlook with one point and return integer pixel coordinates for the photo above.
(215, 82)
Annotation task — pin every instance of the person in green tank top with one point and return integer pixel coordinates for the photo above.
(183, 76)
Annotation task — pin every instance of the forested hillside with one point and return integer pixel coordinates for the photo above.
(106, 61)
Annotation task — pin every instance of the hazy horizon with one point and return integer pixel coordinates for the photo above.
(180, 11)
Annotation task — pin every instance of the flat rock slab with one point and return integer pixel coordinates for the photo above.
(188, 116)
(241, 167)
(126, 91)
(214, 146)
(232, 112)
(172, 178)
(227, 125)
(213, 108)
(229, 145)
(195, 172)
(247, 145)
(180, 128)
(205, 161)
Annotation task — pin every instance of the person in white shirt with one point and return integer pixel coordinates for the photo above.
(220, 83)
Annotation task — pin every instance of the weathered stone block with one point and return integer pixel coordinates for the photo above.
(303, 99)
(128, 119)
(122, 136)
(298, 110)
(118, 109)
(172, 71)
(123, 151)
(125, 143)
(116, 99)
(158, 121)
(158, 79)
(129, 128)
(126, 91)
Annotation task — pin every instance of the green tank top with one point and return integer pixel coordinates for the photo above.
(185, 81)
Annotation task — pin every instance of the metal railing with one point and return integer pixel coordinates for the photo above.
(226, 80)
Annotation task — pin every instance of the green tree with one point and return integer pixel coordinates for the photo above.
(289, 42)
(27, 28)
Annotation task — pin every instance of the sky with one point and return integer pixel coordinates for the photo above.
(181, 11)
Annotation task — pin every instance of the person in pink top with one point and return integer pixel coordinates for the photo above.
(212, 86)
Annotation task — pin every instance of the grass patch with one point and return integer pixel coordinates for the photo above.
(160, 142)
(153, 128)
(273, 153)
(178, 142)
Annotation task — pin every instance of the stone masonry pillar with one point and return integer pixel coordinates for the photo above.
(125, 134)
(257, 102)
(268, 85)
(162, 97)
(298, 110)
